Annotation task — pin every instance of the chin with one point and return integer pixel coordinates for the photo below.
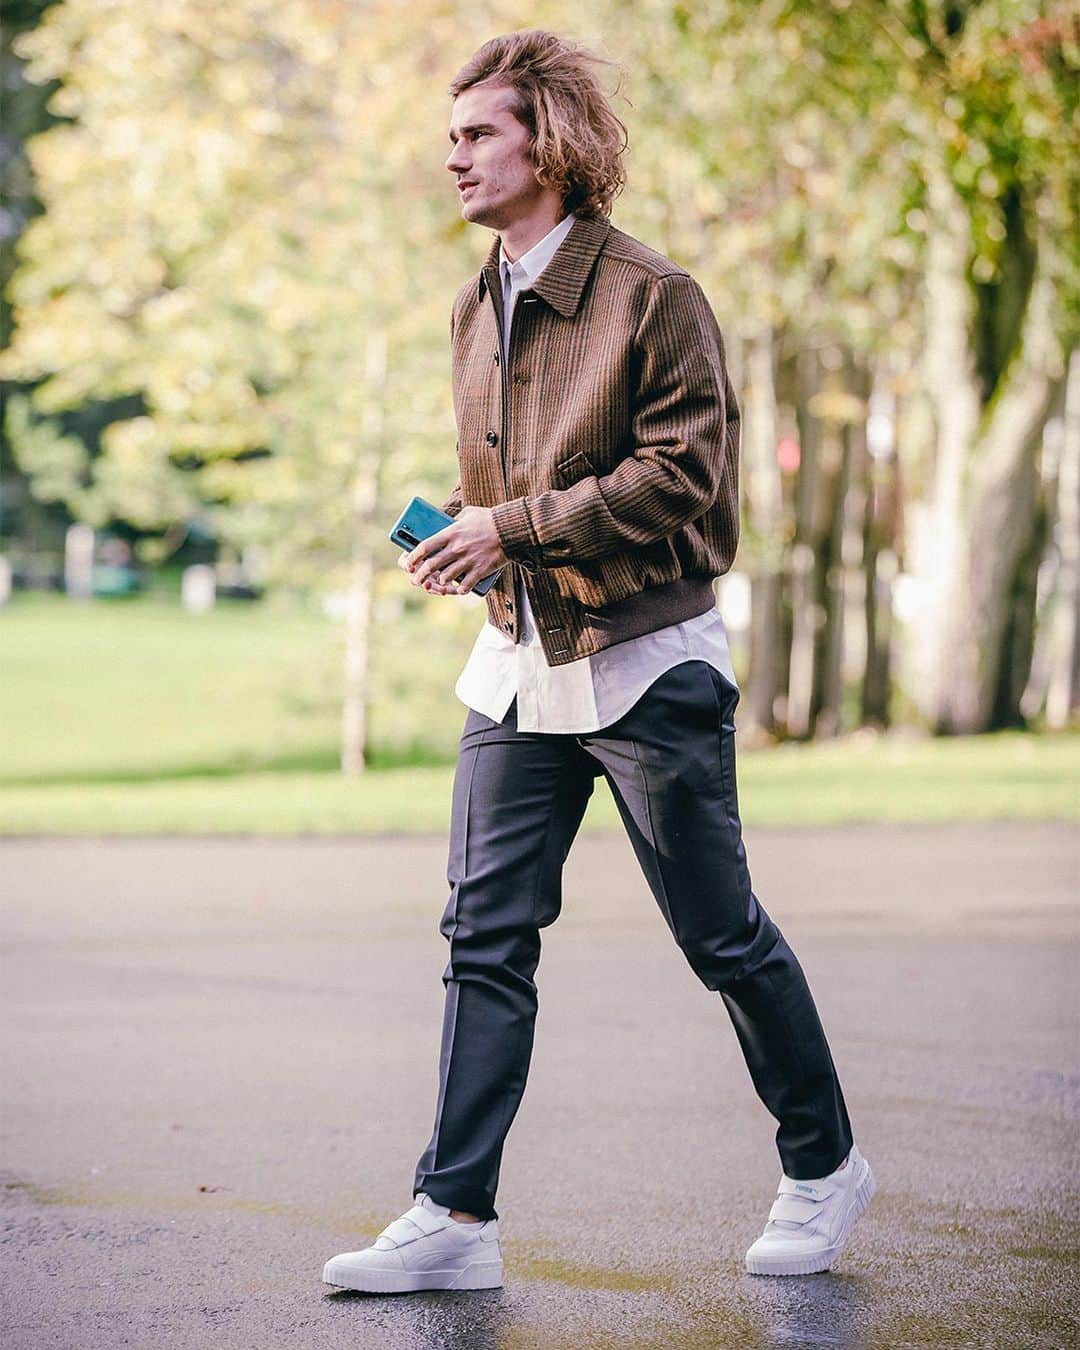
(486, 213)
(475, 215)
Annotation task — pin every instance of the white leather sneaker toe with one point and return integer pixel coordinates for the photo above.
(810, 1221)
(423, 1249)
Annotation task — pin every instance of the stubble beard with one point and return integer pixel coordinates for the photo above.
(500, 214)
(490, 217)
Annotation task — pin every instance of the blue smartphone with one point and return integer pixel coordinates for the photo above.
(419, 520)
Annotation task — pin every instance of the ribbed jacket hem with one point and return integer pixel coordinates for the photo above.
(587, 631)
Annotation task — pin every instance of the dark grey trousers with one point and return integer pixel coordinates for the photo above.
(518, 800)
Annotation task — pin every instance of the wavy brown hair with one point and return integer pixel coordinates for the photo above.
(577, 142)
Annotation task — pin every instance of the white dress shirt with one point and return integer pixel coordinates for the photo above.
(594, 691)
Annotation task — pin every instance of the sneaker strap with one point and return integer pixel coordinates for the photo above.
(800, 1201)
(414, 1223)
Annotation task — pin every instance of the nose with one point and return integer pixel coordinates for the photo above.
(457, 159)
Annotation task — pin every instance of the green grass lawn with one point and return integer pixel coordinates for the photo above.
(135, 718)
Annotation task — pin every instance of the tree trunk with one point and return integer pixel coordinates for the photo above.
(950, 380)
(1056, 663)
(1063, 694)
(983, 499)
(831, 637)
(852, 642)
(364, 503)
(997, 527)
(831, 408)
(805, 611)
(765, 511)
(1018, 643)
(879, 543)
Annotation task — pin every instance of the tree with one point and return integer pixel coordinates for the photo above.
(235, 213)
(985, 95)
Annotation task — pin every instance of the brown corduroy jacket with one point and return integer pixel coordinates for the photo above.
(607, 443)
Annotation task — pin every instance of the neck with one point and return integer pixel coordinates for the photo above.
(519, 237)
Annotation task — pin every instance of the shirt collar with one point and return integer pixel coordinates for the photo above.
(531, 264)
(563, 281)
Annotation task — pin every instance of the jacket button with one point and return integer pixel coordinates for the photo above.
(495, 355)
(492, 438)
(510, 604)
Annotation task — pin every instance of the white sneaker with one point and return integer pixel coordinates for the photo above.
(810, 1221)
(424, 1249)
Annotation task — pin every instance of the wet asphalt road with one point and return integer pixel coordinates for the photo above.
(218, 1068)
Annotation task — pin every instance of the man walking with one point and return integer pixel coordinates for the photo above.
(598, 439)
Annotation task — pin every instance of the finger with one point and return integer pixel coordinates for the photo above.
(466, 581)
(415, 557)
(436, 562)
(421, 571)
(432, 580)
(464, 576)
(450, 571)
(434, 543)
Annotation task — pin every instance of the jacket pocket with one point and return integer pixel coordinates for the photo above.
(597, 582)
(602, 581)
(573, 467)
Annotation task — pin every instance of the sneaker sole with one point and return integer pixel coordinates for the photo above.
(812, 1265)
(476, 1275)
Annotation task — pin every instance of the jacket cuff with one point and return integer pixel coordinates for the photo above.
(515, 531)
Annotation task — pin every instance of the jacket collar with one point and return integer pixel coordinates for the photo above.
(562, 281)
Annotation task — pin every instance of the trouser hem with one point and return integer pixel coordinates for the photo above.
(812, 1167)
(459, 1198)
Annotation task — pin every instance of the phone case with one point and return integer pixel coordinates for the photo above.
(419, 520)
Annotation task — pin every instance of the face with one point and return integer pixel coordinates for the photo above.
(497, 183)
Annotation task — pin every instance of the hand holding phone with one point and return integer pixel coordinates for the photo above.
(418, 521)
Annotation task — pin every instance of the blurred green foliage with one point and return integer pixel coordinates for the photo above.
(232, 310)
(227, 722)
